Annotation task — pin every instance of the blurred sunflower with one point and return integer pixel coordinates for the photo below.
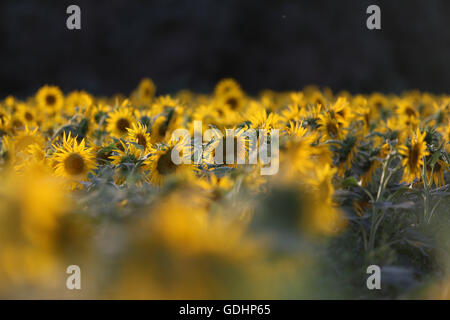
(413, 154)
(146, 91)
(218, 152)
(119, 121)
(226, 85)
(129, 162)
(50, 98)
(161, 165)
(233, 99)
(138, 133)
(329, 127)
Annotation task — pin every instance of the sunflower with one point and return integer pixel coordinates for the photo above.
(128, 159)
(164, 104)
(10, 102)
(144, 117)
(119, 121)
(207, 114)
(4, 122)
(77, 99)
(226, 116)
(413, 154)
(377, 103)
(293, 112)
(139, 134)
(446, 134)
(407, 109)
(315, 97)
(160, 164)
(233, 99)
(436, 174)
(329, 126)
(409, 125)
(145, 92)
(219, 142)
(340, 111)
(225, 86)
(363, 113)
(26, 114)
(297, 157)
(17, 122)
(165, 123)
(73, 160)
(296, 129)
(50, 98)
(19, 143)
(322, 216)
(261, 119)
(371, 164)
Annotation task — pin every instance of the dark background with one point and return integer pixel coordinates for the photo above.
(194, 43)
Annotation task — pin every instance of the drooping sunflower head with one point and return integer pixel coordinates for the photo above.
(50, 98)
(413, 154)
(119, 121)
(138, 133)
(129, 162)
(329, 127)
(161, 163)
(340, 110)
(164, 124)
(435, 173)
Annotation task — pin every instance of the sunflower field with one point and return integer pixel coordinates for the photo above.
(363, 179)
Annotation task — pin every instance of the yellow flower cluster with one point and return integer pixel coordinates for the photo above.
(73, 165)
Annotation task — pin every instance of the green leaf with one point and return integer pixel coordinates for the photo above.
(434, 158)
(350, 182)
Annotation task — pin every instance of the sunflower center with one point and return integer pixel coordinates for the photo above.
(367, 119)
(165, 165)
(414, 156)
(332, 129)
(122, 124)
(17, 124)
(410, 112)
(50, 99)
(141, 140)
(437, 167)
(232, 102)
(74, 164)
(163, 129)
(28, 116)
